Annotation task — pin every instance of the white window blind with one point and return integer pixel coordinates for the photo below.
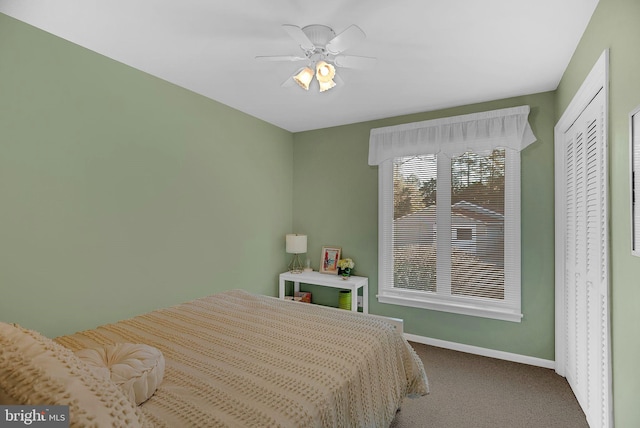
(449, 235)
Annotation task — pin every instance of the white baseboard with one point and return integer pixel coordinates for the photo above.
(485, 352)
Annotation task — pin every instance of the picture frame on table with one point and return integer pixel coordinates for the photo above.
(329, 260)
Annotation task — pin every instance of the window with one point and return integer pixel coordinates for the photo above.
(464, 234)
(450, 218)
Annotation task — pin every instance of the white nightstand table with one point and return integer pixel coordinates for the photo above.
(316, 278)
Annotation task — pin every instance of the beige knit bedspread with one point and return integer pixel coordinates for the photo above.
(236, 359)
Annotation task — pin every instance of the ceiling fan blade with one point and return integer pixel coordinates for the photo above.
(298, 35)
(351, 61)
(282, 58)
(289, 82)
(346, 39)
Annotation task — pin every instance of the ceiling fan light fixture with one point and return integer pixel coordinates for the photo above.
(320, 44)
(304, 77)
(326, 85)
(325, 72)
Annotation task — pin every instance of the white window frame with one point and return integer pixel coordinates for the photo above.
(474, 306)
(405, 140)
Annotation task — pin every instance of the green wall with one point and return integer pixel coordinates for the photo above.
(123, 193)
(336, 203)
(120, 194)
(614, 25)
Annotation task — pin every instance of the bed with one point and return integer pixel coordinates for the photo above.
(237, 359)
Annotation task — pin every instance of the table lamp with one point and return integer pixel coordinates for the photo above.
(296, 244)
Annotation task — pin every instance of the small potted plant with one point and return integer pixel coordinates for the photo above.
(345, 266)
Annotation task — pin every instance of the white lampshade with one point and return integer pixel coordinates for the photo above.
(326, 85)
(325, 71)
(296, 244)
(304, 78)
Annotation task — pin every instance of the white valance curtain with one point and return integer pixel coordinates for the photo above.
(508, 128)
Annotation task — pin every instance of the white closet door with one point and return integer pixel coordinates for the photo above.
(586, 262)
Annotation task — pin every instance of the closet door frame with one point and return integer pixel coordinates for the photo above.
(596, 81)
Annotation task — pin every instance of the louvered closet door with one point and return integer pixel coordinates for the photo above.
(586, 277)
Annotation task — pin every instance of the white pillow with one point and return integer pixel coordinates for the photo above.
(35, 370)
(137, 368)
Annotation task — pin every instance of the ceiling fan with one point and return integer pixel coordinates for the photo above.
(322, 50)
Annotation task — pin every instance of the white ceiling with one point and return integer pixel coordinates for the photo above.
(432, 54)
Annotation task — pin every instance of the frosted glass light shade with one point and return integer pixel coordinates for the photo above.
(304, 78)
(325, 72)
(296, 244)
(326, 85)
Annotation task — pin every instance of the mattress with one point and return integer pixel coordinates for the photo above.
(237, 359)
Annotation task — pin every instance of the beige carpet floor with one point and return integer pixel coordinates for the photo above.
(473, 391)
